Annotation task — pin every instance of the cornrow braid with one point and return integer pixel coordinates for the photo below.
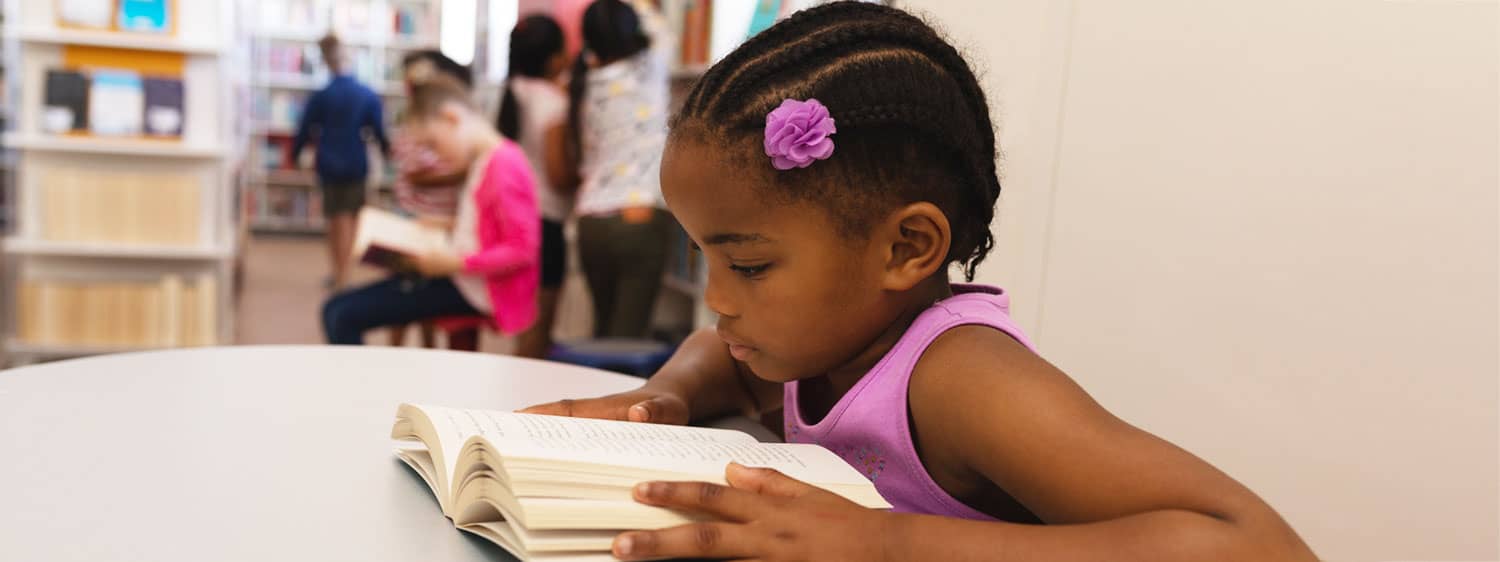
(914, 123)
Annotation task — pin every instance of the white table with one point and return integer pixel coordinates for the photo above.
(248, 453)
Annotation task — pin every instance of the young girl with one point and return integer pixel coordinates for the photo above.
(618, 124)
(533, 112)
(832, 168)
(425, 186)
(491, 267)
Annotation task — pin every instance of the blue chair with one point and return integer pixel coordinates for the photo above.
(627, 356)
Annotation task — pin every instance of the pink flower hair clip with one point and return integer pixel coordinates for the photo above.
(797, 133)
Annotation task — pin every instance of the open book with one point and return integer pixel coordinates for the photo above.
(387, 240)
(557, 489)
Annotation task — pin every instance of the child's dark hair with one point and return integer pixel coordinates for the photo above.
(533, 42)
(442, 63)
(611, 31)
(913, 123)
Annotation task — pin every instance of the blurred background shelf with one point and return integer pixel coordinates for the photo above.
(114, 39)
(104, 210)
(283, 225)
(23, 246)
(120, 146)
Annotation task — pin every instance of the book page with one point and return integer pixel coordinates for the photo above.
(383, 230)
(697, 451)
(588, 434)
(579, 437)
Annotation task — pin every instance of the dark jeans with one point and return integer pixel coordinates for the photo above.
(624, 263)
(398, 300)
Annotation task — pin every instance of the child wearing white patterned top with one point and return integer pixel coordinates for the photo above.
(618, 122)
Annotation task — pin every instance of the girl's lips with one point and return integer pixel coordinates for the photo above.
(740, 352)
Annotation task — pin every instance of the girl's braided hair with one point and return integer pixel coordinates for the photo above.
(913, 123)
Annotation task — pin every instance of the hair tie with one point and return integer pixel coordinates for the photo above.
(797, 133)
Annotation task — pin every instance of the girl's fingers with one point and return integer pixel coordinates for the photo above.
(658, 409)
(720, 502)
(696, 540)
(767, 481)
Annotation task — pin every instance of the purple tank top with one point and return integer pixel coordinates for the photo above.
(868, 428)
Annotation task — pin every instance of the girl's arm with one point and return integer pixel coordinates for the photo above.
(561, 169)
(992, 410)
(449, 179)
(987, 410)
(506, 195)
(701, 381)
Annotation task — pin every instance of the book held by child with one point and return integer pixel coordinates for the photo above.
(559, 489)
(387, 240)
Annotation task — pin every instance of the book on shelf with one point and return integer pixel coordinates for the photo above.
(164, 110)
(387, 240)
(283, 110)
(166, 312)
(83, 204)
(65, 101)
(145, 16)
(410, 19)
(355, 17)
(289, 14)
(115, 102)
(558, 488)
(697, 21)
(766, 14)
(85, 14)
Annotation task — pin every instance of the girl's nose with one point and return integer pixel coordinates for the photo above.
(714, 296)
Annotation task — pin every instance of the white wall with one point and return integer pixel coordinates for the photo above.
(1267, 231)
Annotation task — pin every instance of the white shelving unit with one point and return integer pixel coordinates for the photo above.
(283, 198)
(204, 159)
(120, 40)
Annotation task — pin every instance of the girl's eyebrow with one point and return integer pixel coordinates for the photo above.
(735, 238)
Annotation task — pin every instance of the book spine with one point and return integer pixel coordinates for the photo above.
(189, 312)
(208, 301)
(171, 310)
(26, 304)
(46, 313)
(152, 324)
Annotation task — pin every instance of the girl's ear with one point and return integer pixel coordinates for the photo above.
(917, 237)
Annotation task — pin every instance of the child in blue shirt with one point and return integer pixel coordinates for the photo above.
(338, 115)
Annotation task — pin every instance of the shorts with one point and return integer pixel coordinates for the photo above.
(554, 254)
(340, 198)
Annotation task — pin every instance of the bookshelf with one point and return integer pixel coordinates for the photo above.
(281, 195)
(124, 149)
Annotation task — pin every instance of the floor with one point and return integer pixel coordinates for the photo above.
(282, 291)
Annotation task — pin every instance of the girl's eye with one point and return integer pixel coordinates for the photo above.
(750, 271)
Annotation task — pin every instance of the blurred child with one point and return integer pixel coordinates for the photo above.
(425, 186)
(491, 268)
(832, 168)
(337, 116)
(533, 112)
(617, 119)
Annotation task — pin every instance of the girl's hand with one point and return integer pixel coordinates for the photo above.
(644, 404)
(438, 263)
(763, 515)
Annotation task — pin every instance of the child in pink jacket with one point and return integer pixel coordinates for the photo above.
(492, 267)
